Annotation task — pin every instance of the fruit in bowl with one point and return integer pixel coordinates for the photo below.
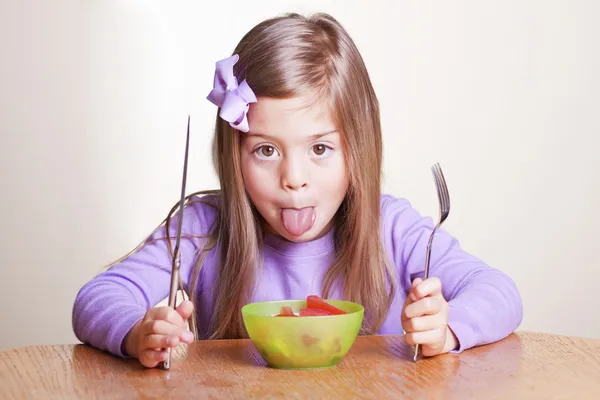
(303, 334)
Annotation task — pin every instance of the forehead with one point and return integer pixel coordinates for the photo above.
(294, 116)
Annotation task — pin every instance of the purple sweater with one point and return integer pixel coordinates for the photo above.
(485, 305)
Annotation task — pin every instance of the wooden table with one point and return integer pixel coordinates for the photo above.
(523, 366)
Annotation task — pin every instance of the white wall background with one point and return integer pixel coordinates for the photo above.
(93, 103)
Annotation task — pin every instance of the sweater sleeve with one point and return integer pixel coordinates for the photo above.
(108, 306)
(485, 304)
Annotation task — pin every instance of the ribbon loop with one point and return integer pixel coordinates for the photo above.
(233, 99)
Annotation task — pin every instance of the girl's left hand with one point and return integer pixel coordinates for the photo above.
(425, 318)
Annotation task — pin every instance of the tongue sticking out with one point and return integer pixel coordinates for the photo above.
(297, 222)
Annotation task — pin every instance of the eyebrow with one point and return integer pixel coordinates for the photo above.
(314, 136)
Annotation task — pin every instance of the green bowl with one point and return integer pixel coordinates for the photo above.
(302, 342)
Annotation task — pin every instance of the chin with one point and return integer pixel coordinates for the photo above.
(305, 237)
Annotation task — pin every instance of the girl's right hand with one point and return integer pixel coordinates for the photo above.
(161, 327)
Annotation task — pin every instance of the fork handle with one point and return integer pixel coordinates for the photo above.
(428, 254)
(417, 354)
(166, 365)
(425, 276)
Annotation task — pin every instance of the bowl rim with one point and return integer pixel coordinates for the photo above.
(245, 307)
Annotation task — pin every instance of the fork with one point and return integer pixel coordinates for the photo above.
(444, 201)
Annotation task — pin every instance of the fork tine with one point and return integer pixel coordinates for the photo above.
(434, 170)
(439, 186)
(440, 191)
(443, 189)
(446, 197)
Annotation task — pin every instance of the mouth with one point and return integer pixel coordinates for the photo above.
(298, 221)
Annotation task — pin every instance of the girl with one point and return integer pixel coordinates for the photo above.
(298, 151)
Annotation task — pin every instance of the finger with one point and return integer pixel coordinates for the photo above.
(185, 310)
(187, 337)
(161, 327)
(424, 323)
(429, 287)
(154, 341)
(425, 306)
(410, 298)
(168, 314)
(150, 357)
(431, 337)
(164, 328)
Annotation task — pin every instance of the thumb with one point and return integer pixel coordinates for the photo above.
(185, 309)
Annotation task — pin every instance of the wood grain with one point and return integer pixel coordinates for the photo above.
(523, 366)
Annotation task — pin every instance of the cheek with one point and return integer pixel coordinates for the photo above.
(257, 179)
(335, 181)
(249, 174)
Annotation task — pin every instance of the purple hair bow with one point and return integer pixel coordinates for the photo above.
(233, 99)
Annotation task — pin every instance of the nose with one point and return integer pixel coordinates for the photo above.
(293, 175)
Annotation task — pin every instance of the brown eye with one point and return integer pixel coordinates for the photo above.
(319, 149)
(267, 151)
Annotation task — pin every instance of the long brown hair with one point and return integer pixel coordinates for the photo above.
(285, 57)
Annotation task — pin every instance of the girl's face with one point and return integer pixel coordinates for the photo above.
(293, 167)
